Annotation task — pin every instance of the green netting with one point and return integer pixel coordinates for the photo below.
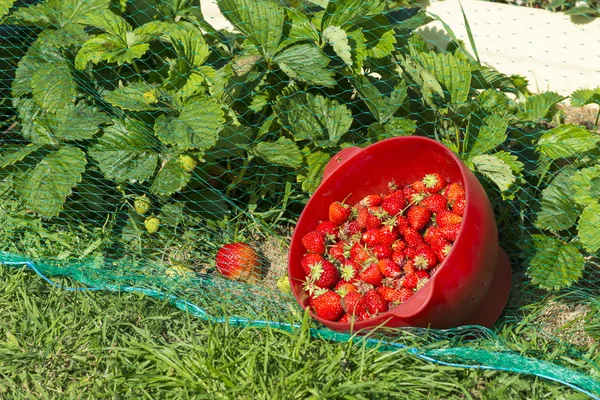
(227, 132)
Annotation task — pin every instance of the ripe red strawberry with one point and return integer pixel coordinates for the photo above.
(410, 281)
(339, 212)
(430, 234)
(418, 217)
(422, 274)
(324, 274)
(238, 261)
(352, 303)
(371, 275)
(425, 257)
(401, 223)
(399, 258)
(327, 304)
(389, 268)
(401, 296)
(434, 182)
(371, 200)
(445, 218)
(439, 243)
(381, 251)
(419, 186)
(412, 237)
(442, 252)
(435, 203)
(346, 319)
(459, 207)
(386, 236)
(375, 217)
(362, 215)
(352, 228)
(410, 252)
(328, 229)
(394, 203)
(314, 242)
(343, 288)
(359, 254)
(412, 195)
(454, 192)
(340, 250)
(350, 271)
(308, 260)
(371, 237)
(409, 267)
(374, 302)
(398, 245)
(450, 232)
(388, 293)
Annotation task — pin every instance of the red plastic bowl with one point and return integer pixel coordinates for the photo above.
(473, 283)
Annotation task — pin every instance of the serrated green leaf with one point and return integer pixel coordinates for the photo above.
(5, 5)
(29, 114)
(172, 214)
(382, 105)
(110, 49)
(492, 101)
(585, 186)
(301, 28)
(554, 264)
(584, 11)
(408, 25)
(46, 196)
(344, 12)
(587, 229)
(73, 123)
(36, 58)
(489, 136)
(558, 212)
(356, 40)
(197, 126)
(11, 155)
(379, 36)
(392, 128)
(580, 98)
(485, 77)
(53, 86)
(566, 141)
(311, 178)
(306, 63)
(259, 21)
(58, 13)
(495, 169)
(137, 96)
(170, 179)
(452, 71)
(314, 118)
(539, 106)
(283, 152)
(126, 152)
(70, 35)
(111, 23)
(192, 51)
(337, 38)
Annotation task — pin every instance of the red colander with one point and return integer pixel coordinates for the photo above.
(471, 286)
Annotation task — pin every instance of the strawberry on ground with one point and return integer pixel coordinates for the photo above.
(308, 260)
(238, 261)
(339, 212)
(314, 242)
(327, 304)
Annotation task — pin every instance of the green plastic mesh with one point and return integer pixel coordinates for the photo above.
(227, 131)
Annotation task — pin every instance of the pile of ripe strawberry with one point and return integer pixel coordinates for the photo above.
(369, 258)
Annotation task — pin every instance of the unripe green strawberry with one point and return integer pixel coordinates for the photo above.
(142, 204)
(152, 224)
(283, 284)
(189, 163)
(180, 270)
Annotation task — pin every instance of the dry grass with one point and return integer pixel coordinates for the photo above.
(584, 116)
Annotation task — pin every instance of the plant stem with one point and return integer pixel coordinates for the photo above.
(240, 176)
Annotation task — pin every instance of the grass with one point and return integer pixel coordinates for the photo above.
(79, 345)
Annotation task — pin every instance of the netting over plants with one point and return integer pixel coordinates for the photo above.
(136, 140)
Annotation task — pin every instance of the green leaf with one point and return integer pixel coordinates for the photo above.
(584, 11)
(58, 13)
(306, 63)
(110, 49)
(580, 98)
(172, 214)
(29, 114)
(259, 21)
(302, 29)
(337, 38)
(489, 136)
(111, 23)
(452, 71)
(197, 126)
(585, 185)
(344, 12)
(192, 51)
(137, 96)
(566, 141)
(587, 228)
(554, 264)
(311, 178)
(379, 36)
(485, 77)
(558, 212)
(11, 155)
(539, 106)
(5, 5)
(392, 128)
(314, 118)
(73, 123)
(126, 152)
(382, 105)
(283, 152)
(495, 169)
(171, 178)
(45, 188)
(53, 86)
(494, 102)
